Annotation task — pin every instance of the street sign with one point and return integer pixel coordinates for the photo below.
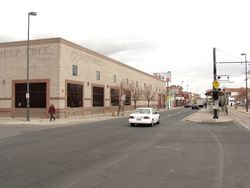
(216, 84)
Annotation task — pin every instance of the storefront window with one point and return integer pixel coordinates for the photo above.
(128, 97)
(74, 95)
(98, 96)
(37, 95)
(114, 97)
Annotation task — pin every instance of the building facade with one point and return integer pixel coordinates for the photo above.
(76, 80)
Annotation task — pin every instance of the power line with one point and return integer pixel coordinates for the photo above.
(229, 54)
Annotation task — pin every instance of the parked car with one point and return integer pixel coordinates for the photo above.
(195, 107)
(188, 106)
(144, 116)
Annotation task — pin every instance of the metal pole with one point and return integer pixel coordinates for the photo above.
(28, 54)
(246, 82)
(246, 87)
(214, 63)
(214, 89)
(168, 94)
(28, 88)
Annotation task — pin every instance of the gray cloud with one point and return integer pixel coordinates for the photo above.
(114, 48)
(8, 38)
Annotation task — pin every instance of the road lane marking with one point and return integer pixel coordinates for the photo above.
(167, 147)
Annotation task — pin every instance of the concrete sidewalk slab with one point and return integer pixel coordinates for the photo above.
(58, 122)
(204, 116)
(64, 121)
(242, 117)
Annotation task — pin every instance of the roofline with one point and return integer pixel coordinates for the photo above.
(73, 45)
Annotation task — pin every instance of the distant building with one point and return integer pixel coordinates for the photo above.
(239, 94)
(76, 80)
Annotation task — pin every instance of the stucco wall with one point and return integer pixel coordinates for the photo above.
(89, 62)
(51, 61)
(43, 65)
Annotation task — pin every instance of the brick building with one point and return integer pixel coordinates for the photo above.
(76, 80)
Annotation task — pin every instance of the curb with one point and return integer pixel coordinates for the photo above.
(202, 116)
(212, 121)
(66, 121)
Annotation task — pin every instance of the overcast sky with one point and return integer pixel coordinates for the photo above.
(150, 35)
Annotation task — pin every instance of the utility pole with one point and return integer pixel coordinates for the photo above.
(215, 91)
(246, 81)
(214, 60)
(167, 93)
(240, 62)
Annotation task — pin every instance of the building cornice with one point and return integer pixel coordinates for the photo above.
(73, 45)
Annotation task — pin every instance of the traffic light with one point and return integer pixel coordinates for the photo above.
(215, 95)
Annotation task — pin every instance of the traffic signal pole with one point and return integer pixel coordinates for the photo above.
(214, 61)
(215, 91)
(240, 62)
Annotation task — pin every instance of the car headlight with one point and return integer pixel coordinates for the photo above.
(131, 117)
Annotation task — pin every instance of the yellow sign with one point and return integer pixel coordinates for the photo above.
(216, 84)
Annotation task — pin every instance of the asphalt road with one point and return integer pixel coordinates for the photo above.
(111, 154)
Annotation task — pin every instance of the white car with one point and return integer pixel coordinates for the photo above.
(144, 116)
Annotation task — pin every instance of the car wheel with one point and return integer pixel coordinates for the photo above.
(158, 122)
(132, 124)
(152, 123)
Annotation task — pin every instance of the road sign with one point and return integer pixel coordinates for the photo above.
(216, 84)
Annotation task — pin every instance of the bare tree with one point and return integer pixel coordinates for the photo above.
(241, 96)
(136, 92)
(148, 93)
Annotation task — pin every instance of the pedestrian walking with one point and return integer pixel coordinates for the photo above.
(52, 111)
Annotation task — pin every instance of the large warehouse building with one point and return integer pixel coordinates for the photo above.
(76, 80)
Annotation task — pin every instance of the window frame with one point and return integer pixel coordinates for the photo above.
(75, 96)
(37, 92)
(114, 97)
(114, 79)
(74, 70)
(98, 75)
(128, 97)
(99, 96)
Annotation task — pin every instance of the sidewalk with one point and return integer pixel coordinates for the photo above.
(206, 116)
(241, 116)
(200, 116)
(58, 122)
(240, 109)
(63, 121)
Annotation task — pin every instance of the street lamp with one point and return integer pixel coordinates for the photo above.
(244, 54)
(28, 85)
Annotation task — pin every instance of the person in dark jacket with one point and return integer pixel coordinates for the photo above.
(52, 111)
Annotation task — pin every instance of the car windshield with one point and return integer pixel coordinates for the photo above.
(142, 111)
